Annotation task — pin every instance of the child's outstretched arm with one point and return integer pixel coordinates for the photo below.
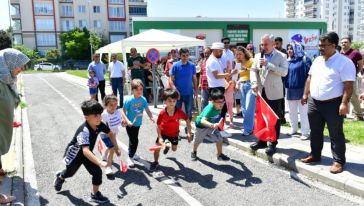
(112, 137)
(91, 156)
(189, 130)
(150, 115)
(208, 124)
(127, 121)
(159, 133)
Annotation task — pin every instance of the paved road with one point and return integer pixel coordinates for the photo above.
(54, 115)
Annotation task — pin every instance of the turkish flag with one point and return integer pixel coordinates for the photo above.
(265, 121)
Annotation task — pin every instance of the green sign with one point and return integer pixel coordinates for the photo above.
(237, 33)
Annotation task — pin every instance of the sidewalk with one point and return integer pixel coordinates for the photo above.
(290, 150)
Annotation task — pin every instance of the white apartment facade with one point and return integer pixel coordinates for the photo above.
(342, 16)
(38, 23)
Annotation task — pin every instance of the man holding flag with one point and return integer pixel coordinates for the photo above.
(266, 78)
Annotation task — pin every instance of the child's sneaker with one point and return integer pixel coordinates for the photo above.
(136, 157)
(58, 182)
(98, 198)
(109, 171)
(166, 148)
(154, 166)
(193, 156)
(130, 162)
(223, 157)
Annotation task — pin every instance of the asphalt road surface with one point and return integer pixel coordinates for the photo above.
(54, 115)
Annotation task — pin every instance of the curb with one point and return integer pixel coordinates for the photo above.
(292, 162)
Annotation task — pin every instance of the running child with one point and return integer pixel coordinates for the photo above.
(92, 83)
(168, 125)
(134, 106)
(79, 150)
(229, 97)
(111, 117)
(207, 125)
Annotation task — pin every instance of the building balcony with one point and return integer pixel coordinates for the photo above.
(65, 1)
(137, 3)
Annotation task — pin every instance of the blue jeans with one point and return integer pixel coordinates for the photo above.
(188, 100)
(204, 98)
(117, 84)
(247, 102)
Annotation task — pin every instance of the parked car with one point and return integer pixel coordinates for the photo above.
(81, 64)
(47, 66)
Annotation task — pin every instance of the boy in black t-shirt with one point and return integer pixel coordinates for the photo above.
(79, 150)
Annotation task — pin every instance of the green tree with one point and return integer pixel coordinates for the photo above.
(53, 55)
(5, 40)
(357, 45)
(75, 44)
(33, 55)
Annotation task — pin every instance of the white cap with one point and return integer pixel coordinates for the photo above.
(217, 45)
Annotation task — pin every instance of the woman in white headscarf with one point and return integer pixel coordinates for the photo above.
(12, 63)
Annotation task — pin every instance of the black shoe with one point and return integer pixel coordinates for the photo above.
(154, 166)
(283, 121)
(98, 198)
(271, 149)
(223, 157)
(193, 156)
(58, 182)
(166, 148)
(258, 145)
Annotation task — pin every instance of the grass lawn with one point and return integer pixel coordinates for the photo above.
(82, 73)
(353, 130)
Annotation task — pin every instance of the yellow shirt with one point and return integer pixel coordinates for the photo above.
(245, 74)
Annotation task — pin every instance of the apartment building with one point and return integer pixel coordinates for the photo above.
(342, 16)
(38, 23)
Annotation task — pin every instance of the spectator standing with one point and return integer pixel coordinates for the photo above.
(357, 59)
(298, 68)
(136, 65)
(116, 74)
(173, 59)
(330, 85)
(12, 63)
(266, 77)
(278, 42)
(100, 71)
(183, 79)
(227, 55)
(203, 80)
(216, 75)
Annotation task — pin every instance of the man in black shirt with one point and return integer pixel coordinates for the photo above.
(79, 150)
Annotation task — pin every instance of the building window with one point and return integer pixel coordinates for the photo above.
(116, 2)
(97, 24)
(44, 24)
(116, 37)
(138, 11)
(15, 10)
(116, 26)
(82, 23)
(67, 10)
(82, 9)
(16, 24)
(44, 39)
(67, 25)
(18, 39)
(116, 12)
(96, 9)
(43, 8)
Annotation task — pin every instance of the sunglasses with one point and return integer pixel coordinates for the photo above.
(226, 42)
(219, 102)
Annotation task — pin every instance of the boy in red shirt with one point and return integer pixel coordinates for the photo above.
(168, 125)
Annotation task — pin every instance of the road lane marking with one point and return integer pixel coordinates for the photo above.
(162, 178)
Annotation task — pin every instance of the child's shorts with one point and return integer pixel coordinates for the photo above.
(211, 134)
(107, 141)
(173, 140)
(93, 91)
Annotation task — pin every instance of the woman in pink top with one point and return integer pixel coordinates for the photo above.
(229, 97)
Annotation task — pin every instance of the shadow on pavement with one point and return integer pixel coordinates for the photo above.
(78, 201)
(235, 173)
(188, 175)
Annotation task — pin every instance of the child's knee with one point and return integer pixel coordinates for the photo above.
(174, 148)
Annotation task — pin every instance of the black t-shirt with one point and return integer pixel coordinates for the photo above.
(136, 72)
(84, 136)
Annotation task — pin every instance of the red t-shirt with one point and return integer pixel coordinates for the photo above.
(169, 125)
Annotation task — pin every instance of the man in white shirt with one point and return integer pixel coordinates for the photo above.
(116, 73)
(227, 55)
(330, 86)
(216, 75)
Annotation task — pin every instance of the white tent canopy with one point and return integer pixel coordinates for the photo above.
(153, 38)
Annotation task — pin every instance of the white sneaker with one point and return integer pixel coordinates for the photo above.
(109, 171)
(130, 162)
(305, 137)
(136, 157)
(225, 134)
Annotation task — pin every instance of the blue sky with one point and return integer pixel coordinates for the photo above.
(193, 8)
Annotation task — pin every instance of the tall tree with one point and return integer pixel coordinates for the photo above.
(5, 40)
(75, 44)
